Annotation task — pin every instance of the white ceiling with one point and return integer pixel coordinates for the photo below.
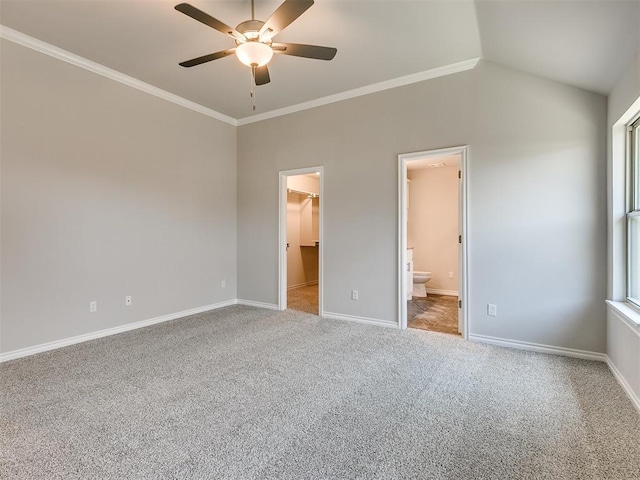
(585, 44)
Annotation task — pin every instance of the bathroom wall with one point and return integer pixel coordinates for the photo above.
(302, 261)
(432, 229)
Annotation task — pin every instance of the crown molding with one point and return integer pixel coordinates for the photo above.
(55, 52)
(60, 54)
(358, 92)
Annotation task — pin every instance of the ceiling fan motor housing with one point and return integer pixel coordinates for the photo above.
(250, 29)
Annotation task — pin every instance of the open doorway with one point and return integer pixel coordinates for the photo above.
(432, 253)
(300, 285)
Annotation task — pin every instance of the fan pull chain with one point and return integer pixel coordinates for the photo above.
(253, 86)
(252, 81)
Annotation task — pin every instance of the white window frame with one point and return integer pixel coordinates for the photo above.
(618, 192)
(632, 174)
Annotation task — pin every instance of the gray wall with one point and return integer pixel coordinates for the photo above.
(538, 211)
(627, 89)
(537, 221)
(106, 192)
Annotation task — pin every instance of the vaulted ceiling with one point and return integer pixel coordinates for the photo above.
(581, 43)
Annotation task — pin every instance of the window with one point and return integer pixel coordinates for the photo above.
(633, 215)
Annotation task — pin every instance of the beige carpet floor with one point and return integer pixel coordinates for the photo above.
(436, 313)
(303, 299)
(246, 393)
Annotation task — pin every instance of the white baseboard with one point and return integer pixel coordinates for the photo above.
(44, 347)
(537, 347)
(368, 321)
(308, 284)
(251, 303)
(624, 384)
(438, 291)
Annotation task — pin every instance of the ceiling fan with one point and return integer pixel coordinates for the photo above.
(254, 45)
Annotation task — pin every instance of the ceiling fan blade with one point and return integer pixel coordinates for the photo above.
(283, 16)
(262, 75)
(207, 58)
(307, 51)
(208, 20)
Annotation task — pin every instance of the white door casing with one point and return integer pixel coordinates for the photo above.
(463, 270)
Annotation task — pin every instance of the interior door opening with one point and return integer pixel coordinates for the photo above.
(300, 244)
(432, 241)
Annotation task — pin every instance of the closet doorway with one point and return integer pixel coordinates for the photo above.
(300, 242)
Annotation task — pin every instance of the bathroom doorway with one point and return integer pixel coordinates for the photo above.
(433, 242)
(300, 242)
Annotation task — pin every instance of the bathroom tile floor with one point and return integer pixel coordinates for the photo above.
(303, 299)
(437, 313)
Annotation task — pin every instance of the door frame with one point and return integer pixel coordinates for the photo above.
(463, 256)
(282, 233)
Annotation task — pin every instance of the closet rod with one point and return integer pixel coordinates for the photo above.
(302, 192)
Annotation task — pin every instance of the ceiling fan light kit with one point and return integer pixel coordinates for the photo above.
(254, 47)
(254, 54)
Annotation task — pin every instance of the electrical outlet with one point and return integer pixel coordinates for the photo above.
(93, 306)
(224, 283)
(127, 301)
(354, 294)
(492, 310)
(450, 274)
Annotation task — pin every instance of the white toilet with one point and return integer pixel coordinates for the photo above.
(419, 281)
